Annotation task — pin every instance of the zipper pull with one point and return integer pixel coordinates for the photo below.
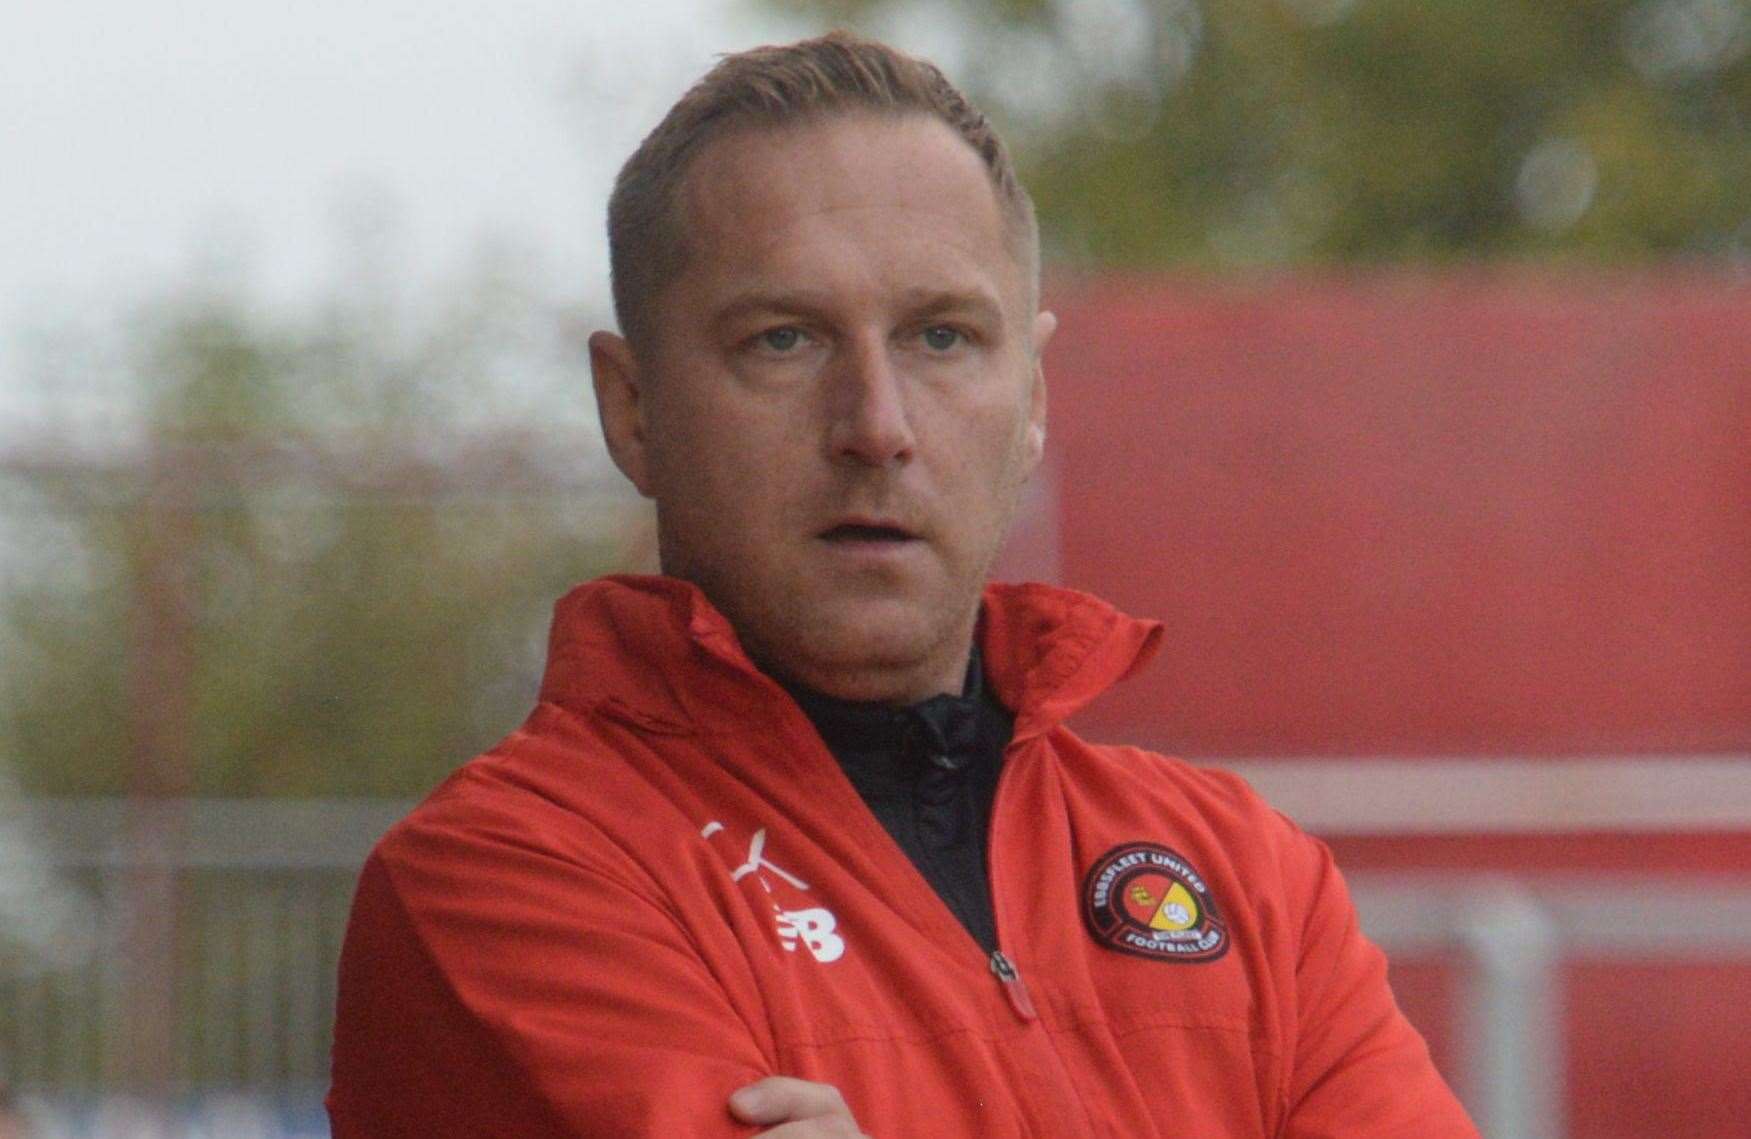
(1013, 986)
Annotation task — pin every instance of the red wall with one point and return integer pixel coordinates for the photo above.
(1485, 513)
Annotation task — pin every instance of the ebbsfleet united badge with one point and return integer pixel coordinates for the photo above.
(1142, 898)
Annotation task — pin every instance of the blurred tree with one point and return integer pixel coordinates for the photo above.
(1237, 132)
(320, 562)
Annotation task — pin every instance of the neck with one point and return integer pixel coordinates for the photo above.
(875, 684)
(969, 684)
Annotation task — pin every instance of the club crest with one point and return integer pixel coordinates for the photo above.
(1144, 899)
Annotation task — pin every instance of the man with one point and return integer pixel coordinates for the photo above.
(796, 843)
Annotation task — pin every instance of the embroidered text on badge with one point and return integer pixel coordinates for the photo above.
(1142, 898)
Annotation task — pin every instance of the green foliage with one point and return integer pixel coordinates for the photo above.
(299, 581)
(1234, 132)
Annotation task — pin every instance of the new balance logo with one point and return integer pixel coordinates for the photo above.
(814, 928)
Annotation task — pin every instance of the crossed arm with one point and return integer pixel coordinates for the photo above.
(499, 990)
(489, 986)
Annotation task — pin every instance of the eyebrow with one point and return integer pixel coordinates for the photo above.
(918, 303)
(977, 302)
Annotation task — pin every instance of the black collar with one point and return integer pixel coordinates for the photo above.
(886, 748)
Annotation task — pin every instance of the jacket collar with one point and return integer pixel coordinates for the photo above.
(653, 650)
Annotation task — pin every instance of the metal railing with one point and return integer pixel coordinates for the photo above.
(258, 893)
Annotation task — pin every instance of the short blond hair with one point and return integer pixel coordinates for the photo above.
(772, 87)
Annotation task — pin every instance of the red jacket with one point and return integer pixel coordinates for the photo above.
(662, 887)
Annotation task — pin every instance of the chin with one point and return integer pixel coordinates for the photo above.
(872, 649)
(891, 627)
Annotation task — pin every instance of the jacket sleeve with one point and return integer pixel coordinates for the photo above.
(1360, 1070)
(489, 987)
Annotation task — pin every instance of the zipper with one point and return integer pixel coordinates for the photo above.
(1003, 967)
(1013, 986)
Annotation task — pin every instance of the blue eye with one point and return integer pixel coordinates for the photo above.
(781, 339)
(941, 337)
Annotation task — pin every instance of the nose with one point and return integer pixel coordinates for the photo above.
(869, 417)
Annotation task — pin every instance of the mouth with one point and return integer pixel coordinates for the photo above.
(861, 531)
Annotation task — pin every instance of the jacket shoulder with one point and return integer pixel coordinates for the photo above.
(1208, 814)
(552, 789)
(1222, 798)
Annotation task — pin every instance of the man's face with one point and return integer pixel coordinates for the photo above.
(842, 399)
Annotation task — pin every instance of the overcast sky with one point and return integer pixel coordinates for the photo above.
(134, 134)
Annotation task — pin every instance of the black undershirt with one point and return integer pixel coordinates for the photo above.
(928, 771)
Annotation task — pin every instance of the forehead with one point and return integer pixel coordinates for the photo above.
(892, 196)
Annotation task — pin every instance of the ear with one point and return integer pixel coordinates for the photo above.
(619, 404)
(1045, 324)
